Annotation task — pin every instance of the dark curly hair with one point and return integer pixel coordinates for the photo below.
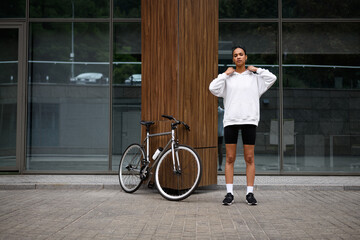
(238, 46)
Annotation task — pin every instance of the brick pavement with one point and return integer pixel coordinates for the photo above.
(112, 214)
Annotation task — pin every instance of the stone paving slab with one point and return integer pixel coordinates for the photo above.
(318, 183)
(113, 214)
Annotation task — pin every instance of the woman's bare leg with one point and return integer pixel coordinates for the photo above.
(229, 165)
(249, 156)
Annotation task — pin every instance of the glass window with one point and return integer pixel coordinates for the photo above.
(8, 95)
(68, 95)
(321, 75)
(321, 9)
(260, 40)
(12, 8)
(327, 51)
(126, 88)
(69, 9)
(248, 9)
(127, 8)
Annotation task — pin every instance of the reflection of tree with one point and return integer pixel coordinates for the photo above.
(248, 9)
(127, 48)
(321, 8)
(12, 8)
(123, 71)
(334, 44)
(260, 40)
(52, 42)
(127, 8)
(92, 42)
(63, 9)
(321, 38)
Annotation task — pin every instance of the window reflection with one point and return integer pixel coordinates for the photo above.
(321, 8)
(12, 8)
(127, 8)
(68, 95)
(69, 8)
(321, 90)
(248, 9)
(319, 55)
(260, 40)
(8, 95)
(126, 88)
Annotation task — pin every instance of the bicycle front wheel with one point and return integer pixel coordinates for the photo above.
(130, 168)
(177, 182)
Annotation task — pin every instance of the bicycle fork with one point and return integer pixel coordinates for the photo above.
(175, 154)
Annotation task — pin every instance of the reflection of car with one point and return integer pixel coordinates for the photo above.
(90, 78)
(134, 79)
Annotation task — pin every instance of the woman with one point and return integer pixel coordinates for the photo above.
(241, 89)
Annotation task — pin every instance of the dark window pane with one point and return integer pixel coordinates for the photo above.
(51, 45)
(68, 97)
(8, 95)
(321, 9)
(9, 56)
(126, 88)
(248, 9)
(321, 73)
(12, 8)
(321, 55)
(127, 51)
(69, 9)
(127, 8)
(260, 40)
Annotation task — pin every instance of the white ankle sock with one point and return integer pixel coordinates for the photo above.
(229, 188)
(249, 189)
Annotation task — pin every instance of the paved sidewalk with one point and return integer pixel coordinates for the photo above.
(112, 182)
(113, 214)
(94, 207)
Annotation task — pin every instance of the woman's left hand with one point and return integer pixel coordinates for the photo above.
(252, 68)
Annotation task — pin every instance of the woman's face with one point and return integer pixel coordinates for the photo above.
(239, 57)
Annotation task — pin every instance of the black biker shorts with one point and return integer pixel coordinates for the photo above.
(248, 133)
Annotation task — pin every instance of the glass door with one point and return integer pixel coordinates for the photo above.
(11, 76)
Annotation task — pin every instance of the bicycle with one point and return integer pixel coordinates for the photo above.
(178, 167)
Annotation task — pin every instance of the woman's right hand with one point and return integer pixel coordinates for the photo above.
(229, 71)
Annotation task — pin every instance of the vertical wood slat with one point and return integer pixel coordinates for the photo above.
(179, 60)
(198, 52)
(159, 45)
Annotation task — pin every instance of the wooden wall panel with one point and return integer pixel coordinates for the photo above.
(179, 60)
(198, 65)
(159, 58)
(209, 163)
(159, 43)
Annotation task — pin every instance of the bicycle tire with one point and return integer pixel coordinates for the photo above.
(130, 167)
(176, 186)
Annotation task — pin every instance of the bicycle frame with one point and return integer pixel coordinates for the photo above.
(173, 143)
(173, 182)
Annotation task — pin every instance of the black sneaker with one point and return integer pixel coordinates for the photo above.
(229, 199)
(251, 199)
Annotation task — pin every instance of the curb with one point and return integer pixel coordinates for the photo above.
(99, 186)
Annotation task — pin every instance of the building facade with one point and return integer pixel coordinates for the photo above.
(71, 82)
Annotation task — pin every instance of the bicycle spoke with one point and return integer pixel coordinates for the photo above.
(179, 184)
(129, 168)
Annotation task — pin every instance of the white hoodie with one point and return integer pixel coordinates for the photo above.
(241, 93)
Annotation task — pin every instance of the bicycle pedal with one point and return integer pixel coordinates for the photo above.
(151, 184)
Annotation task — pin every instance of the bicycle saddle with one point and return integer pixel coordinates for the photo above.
(147, 123)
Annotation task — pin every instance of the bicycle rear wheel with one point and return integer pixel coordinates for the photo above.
(178, 184)
(130, 168)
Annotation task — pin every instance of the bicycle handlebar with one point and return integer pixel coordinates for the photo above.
(176, 122)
